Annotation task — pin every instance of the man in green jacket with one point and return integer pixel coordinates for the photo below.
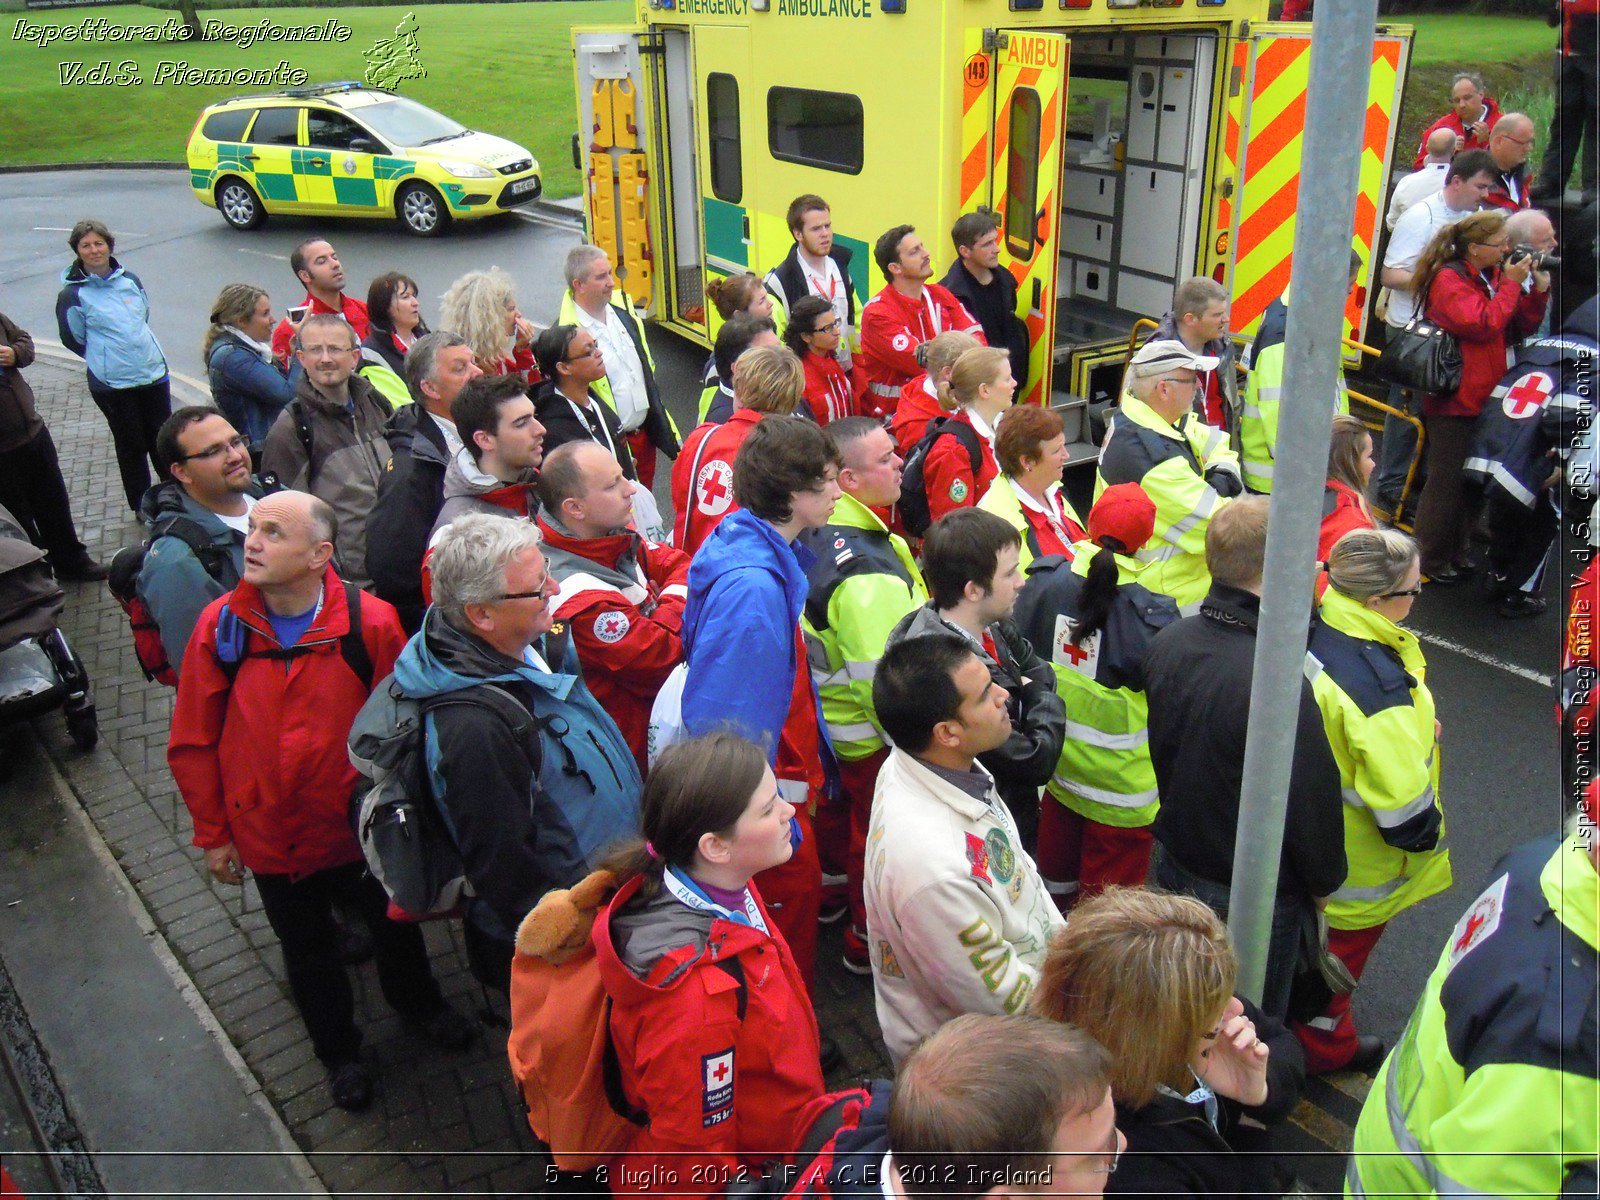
(863, 582)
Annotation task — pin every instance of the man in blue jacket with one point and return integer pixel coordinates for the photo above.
(534, 798)
(747, 669)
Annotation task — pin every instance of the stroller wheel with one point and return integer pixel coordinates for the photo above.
(83, 727)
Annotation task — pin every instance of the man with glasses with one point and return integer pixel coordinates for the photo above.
(1510, 142)
(1186, 466)
(330, 440)
(535, 780)
(195, 522)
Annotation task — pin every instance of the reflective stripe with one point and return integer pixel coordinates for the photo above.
(852, 733)
(1090, 736)
(1370, 895)
(675, 589)
(1202, 511)
(1258, 470)
(1270, 392)
(1061, 887)
(1389, 818)
(1252, 410)
(1325, 1023)
(1407, 1142)
(796, 791)
(1157, 554)
(886, 390)
(1101, 796)
(859, 671)
(1312, 668)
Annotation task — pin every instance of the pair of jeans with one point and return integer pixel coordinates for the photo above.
(135, 415)
(32, 489)
(1398, 447)
(300, 912)
(1289, 914)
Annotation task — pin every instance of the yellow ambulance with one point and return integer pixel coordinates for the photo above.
(1125, 144)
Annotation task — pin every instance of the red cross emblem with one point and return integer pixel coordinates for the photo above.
(719, 1072)
(1074, 653)
(1474, 923)
(1527, 396)
(714, 488)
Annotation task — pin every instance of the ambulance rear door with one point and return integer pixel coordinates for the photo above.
(1270, 72)
(1029, 102)
(614, 153)
(727, 106)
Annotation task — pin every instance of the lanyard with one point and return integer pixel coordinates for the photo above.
(577, 411)
(1201, 1095)
(838, 395)
(688, 893)
(816, 283)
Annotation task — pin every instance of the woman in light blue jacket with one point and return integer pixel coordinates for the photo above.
(103, 316)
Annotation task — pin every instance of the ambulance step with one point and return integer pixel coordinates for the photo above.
(1080, 454)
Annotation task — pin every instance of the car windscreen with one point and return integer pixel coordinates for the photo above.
(402, 122)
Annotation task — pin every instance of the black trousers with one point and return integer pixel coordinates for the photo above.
(135, 415)
(1576, 100)
(1519, 540)
(301, 914)
(32, 488)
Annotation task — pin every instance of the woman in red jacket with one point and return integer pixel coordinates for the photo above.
(813, 333)
(1344, 495)
(984, 389)
(1476, 293)
(713, 1029)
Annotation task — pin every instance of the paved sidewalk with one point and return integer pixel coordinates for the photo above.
(441, 1123)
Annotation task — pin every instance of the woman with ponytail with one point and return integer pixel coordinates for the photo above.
(1098, 620)
(923, 399)
(713, 1029)
(246, 384)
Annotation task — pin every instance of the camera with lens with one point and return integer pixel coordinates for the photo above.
(1542, 260)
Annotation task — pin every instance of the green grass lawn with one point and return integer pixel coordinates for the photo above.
(502, 68)
(507, 69)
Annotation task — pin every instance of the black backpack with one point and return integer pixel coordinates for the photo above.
(914, 512)
(123, 583)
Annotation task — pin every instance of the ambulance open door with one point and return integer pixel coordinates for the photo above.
(614, 153)
(1029, 102)
(727, 100)
(1269, 73)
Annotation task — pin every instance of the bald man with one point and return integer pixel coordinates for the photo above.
(1510, 142)
(274, 674)
(1427, 180)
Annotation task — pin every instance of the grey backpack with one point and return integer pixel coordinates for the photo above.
(404, 834)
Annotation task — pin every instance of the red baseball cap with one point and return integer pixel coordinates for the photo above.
(1124, 512)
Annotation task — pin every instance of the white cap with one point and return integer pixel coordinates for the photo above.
(1157, 357)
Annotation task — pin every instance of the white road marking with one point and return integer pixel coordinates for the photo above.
(549, 222)
(264, 254)
(1499, 664)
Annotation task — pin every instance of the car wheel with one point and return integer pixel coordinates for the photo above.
(239, 204)
(422, 210)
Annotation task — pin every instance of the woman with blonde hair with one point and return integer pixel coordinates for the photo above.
(1150, 976)
(922, 400)
(246, 383)
(1371, 685)
(961, 464)
(481, 307)
(1472, 287)
(1344, 495)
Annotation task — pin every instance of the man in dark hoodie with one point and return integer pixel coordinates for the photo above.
(502, 444)
(969, 560)
(422, 440)
(988, 289)
(1001, 1105)
(530, 812)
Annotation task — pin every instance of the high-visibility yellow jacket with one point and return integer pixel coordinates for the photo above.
(1181, 468)
(1493, 1089)
(1001, 498)
(1369, 678)
(1104, 772)
(1263, 391)
(863, 582)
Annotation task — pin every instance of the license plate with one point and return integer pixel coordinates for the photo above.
(523, 185)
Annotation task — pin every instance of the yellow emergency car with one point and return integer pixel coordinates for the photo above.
(348, 150)
(1125, 144)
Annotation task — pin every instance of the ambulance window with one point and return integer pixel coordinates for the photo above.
(1097, 105)
(1022, 173)
(815, 129)
(722, 104)
(227, 126)
(277, 127)
(331, 130)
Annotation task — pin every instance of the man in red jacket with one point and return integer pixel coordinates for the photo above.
(621, 595)
(769, 380)
(1509, 145)
(908, 312)
(1472, 115)
(273, 677)
(315, 263)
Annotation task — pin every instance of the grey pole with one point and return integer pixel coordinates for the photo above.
(1336, 105)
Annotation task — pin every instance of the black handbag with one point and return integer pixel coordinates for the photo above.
(1422, 357)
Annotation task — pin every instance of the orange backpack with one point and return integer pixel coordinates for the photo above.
(561, 1051)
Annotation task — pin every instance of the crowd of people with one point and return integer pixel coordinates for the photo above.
(872, 666)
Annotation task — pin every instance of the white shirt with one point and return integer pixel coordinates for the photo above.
(242, 521)
(1412, 233)
(833, 288)
(624, 371)
(1415, 188)
(452, 440)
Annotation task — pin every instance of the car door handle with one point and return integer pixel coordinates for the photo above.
(319, 162)
(249, 157)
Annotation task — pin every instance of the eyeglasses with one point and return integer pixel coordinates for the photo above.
(1527, 141)
(1193, 381)
(319, 351)
(1493, 245)
(1416, 591)
(831, 327)
(589, 353)
(538, 594)
(236, 442)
